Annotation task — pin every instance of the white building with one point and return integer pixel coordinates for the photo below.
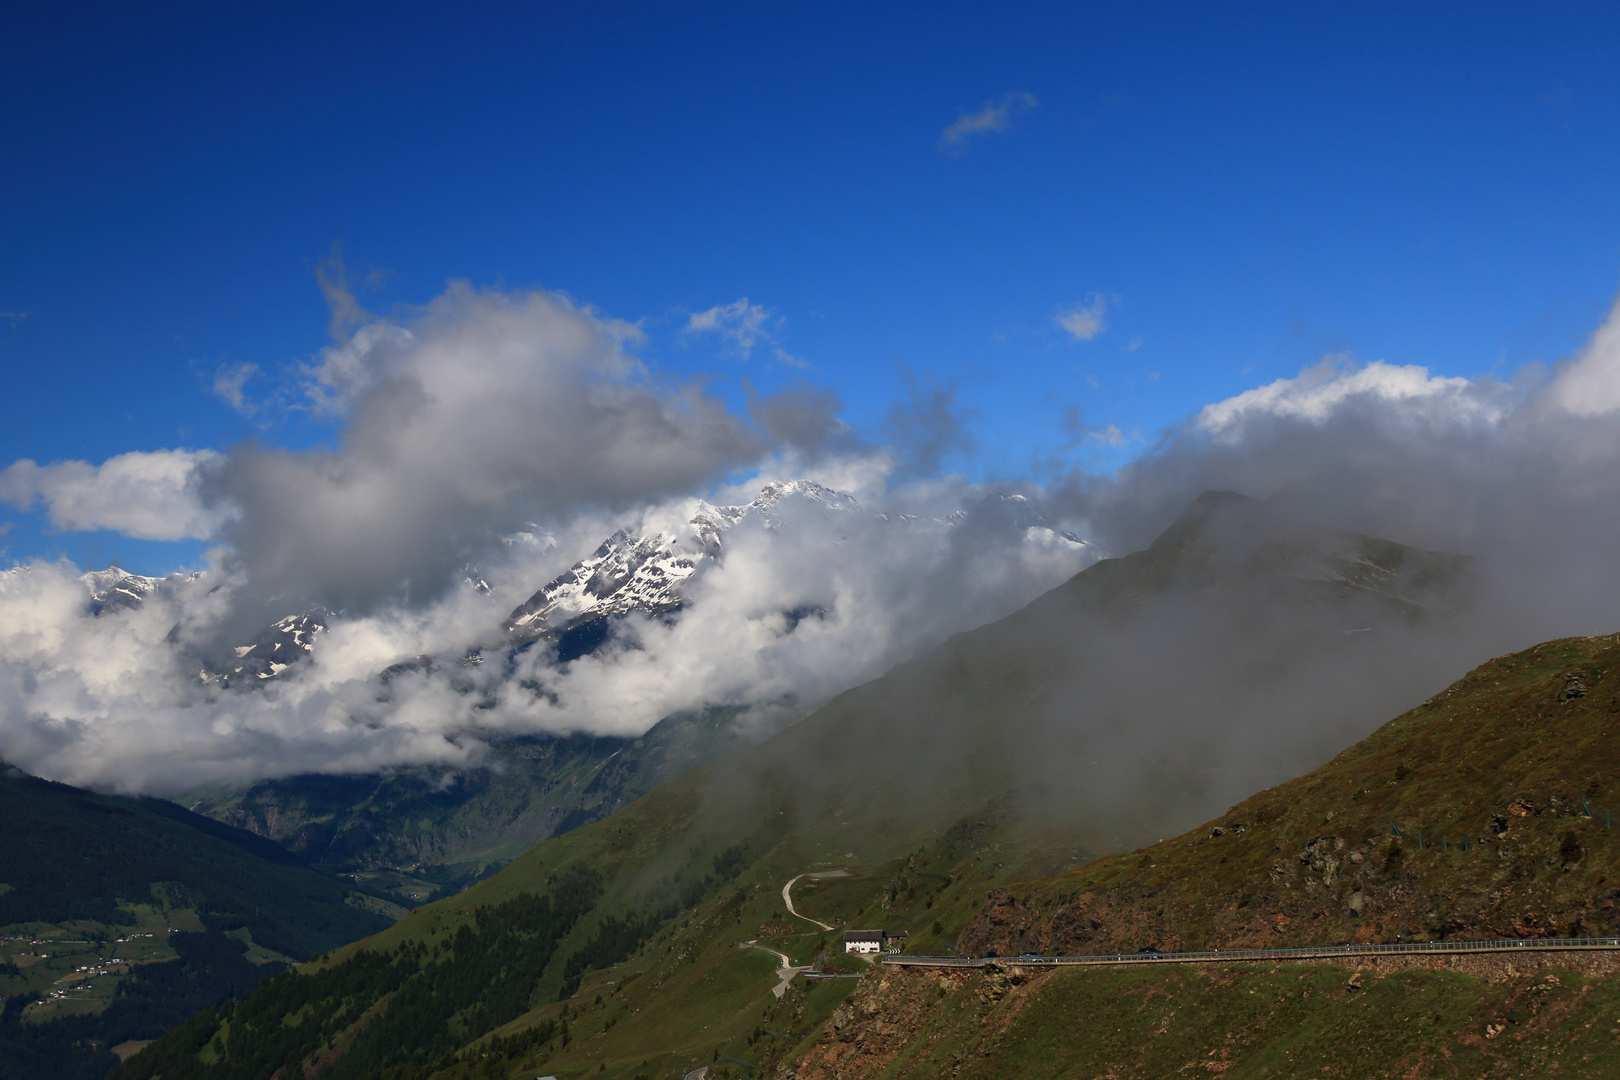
(870, 941)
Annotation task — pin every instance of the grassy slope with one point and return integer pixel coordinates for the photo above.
(1238, 1022)
(1504, 757)
(1500, 761)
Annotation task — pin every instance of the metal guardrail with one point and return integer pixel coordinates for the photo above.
(1224, 956)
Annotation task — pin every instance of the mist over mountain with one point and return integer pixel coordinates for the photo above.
(445, 514)
(763, 608)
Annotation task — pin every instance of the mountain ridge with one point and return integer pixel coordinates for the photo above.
(922, 836)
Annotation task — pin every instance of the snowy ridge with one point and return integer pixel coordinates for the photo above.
(647, 574)
(627, 573)
(115, 588)
(286, 642)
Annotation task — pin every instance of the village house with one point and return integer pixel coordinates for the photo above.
(870, 941)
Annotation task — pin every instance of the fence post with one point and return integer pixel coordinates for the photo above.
(1394, 829)
(1445, 841)
(1420, 839)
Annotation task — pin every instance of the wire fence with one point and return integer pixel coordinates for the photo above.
(1441, 948)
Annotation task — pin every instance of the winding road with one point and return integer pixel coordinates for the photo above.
(785, 972)
(787, 895)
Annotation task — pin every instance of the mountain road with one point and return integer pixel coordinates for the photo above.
(787, 894)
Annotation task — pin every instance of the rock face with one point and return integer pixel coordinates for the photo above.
(286, 642)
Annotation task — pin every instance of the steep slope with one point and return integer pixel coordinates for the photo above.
(1234, 1020)
(118, 917)
(1484, 812)
(928, 788)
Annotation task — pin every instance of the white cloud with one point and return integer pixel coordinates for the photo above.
(1084, 321)
(149, 496)
(111, 701)
(228, 382)
(1319, 392)
(994, 116)
(1590, 384)
(482, 411)
(741, 323)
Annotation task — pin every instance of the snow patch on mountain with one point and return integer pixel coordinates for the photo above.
(650, 575)
(115, 589)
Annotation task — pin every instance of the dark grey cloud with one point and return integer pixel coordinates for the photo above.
(479, 412)
(804, 418)
(926, 423)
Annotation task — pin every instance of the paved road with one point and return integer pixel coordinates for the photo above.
(1436, 948)
(785, 973)
(787, 896)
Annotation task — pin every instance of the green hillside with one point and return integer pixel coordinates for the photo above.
(1236, 1021)
(120, 917)
(1485, 812)
(1490, 810)
(928, 788)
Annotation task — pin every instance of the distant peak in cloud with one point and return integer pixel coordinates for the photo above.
(741, 323)
(1085, 321)
(992, 117)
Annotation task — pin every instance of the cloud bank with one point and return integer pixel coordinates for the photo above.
(490, 440)
(484, 411)
(150, 496)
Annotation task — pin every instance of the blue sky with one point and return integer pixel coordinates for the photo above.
(1232, 191)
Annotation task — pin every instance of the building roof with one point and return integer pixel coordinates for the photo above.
(863, 935)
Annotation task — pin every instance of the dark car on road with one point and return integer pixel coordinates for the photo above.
(1149, 952)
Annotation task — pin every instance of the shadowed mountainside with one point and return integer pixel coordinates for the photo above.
(422, 832)
(119, 917)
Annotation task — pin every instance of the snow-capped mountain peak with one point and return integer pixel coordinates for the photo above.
(627, 573)
(647, 574)
(284, 643)
(114, 588)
